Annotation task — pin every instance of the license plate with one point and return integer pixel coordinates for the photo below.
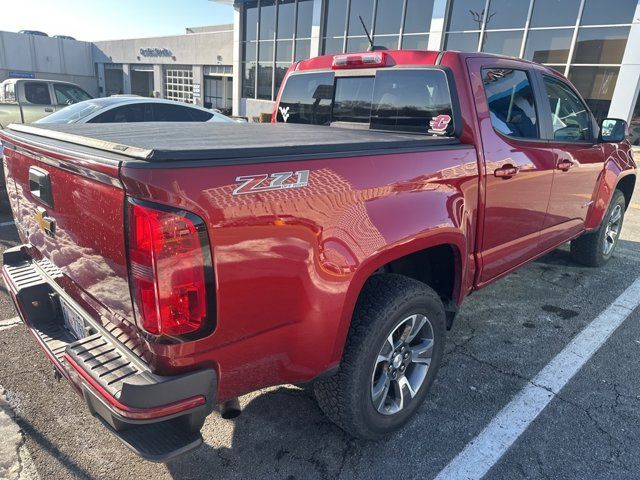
(72, 320)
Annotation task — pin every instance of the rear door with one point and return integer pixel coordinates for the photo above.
(518, 163)
(35, 101)
(579, 161)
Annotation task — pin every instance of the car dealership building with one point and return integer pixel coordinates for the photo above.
(195, 67)
(593, 42)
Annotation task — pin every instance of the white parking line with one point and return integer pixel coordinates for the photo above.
(6, 224)
(492, 443)
(10, 323)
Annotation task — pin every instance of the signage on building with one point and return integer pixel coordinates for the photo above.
(196, 90)
(21, 75)
(155, 52)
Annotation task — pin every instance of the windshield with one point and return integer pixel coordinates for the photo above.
(72, 113)
(416, 100)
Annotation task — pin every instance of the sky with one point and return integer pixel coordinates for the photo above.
(93, 20)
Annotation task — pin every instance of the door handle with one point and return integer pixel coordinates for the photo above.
(506, 172)
(48, 109)
(564, 165)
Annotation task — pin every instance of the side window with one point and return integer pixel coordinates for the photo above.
(123, 114)
(69, 94)
(37, 93)
(570, 117)
(165, 112)
(9, 93)
(511, 102)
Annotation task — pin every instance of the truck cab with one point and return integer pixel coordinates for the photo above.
(541, 156)
(28, 100)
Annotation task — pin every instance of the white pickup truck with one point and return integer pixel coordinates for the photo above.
(28, 100)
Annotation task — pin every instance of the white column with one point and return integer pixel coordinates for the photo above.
(158, 81)
(628, 84)
(198, 77)
(237, 59)
(316, 29)
(102, 86)
(126, 78)
(436, 33)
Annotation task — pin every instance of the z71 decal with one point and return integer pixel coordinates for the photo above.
(270, 182)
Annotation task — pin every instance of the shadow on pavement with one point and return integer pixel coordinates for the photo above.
(280, 432)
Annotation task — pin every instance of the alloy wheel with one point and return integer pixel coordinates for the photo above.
(612, 230)
(402, 364)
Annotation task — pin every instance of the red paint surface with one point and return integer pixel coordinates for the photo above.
(289, 264)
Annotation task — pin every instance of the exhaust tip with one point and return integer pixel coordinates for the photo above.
(230, 409)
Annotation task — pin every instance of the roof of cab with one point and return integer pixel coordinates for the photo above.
(412, 57)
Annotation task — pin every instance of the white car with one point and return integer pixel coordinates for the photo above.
(131, 108)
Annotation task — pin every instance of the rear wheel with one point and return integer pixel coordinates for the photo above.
(596, 248)
(391, 357)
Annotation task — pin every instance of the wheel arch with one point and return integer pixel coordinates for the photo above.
(443, 250)
(626, 185)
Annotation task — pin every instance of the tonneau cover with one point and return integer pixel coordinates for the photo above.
(223, 141)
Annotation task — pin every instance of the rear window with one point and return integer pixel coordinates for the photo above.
(402, 100)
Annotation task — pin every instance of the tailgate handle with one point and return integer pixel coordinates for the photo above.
(40, 185)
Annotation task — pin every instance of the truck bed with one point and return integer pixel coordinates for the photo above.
(220, 143)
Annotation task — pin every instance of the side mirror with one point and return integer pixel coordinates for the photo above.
(613, 130)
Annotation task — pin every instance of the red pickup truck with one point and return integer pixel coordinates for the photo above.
(167, 269)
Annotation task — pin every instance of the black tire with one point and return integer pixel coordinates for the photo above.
(589, 249)
(384, 303)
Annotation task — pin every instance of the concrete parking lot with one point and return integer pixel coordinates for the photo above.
(503, 337)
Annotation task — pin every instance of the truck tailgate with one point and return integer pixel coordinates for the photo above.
(69, 211)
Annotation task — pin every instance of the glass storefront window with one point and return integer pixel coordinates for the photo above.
(303, 49)
(250, 50)
(600, 45)
(281, 70)
(360, 8)
(333, 45)
(305, 16)
(335, 18)
(503, 43)
(270, 12)
(548, 46)
(608, 12)
(286, 18)
(249, 80)
(596, 85)
(284, 50)
(554, 13)
(418, 16)
(634, 125)
(267, 19)
(388, 17)
(507, 14)
(265, 51)
(357, 44)
(464, 42)
(415, 42)
(265, 73)
(466, 15)
(251, 21)
(390, 42)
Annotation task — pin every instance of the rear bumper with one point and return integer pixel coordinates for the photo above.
(158, 417)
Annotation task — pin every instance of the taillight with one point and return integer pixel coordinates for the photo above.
(170, 270)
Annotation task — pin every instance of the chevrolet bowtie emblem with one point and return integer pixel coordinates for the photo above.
(46, 224)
